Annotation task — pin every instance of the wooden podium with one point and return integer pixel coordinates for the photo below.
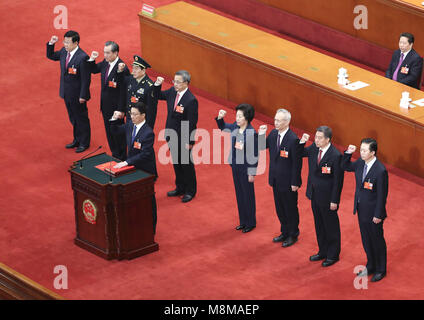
(113, 215)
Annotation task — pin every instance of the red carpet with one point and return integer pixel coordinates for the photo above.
(201, 256)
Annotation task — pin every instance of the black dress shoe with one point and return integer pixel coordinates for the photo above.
(316, 257)
(80, 149)
(289, 242)
(378, 276)
(187, 198)
(329, 262)
(365, 272)
(239, 227)
(280, 238)
(71, 145)
(175, 193)
(248, 229)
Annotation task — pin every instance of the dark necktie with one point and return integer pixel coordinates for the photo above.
(278, 142)
(107, 72)
(134, 133)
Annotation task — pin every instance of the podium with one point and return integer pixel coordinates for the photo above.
(113, 215)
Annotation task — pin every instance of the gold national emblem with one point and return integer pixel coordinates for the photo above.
(90, 211)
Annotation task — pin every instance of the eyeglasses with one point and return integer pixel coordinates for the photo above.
(134, 114)
(177, 81)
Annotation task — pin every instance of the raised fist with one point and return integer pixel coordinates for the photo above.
(351, 149)
(221, 114)
(305, 137)
(53, 39)
(159, 80)
(262, 129)
(94, 55)
(121, 67)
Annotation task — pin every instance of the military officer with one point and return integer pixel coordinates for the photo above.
(139, 89)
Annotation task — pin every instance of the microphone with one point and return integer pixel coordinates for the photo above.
(80, 160)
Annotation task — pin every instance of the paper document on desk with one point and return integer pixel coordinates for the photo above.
(419, 102)
(356, 85)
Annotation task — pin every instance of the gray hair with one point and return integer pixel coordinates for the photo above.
(113, 44)
(287, 113)
(185, 74)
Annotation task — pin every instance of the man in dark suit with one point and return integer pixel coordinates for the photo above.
(406, 64)
(285, 165)
(325, 183)
(74, 86)
(139, 88)
(140, 139)
(181, 124)
(111, 90)
(372, 184)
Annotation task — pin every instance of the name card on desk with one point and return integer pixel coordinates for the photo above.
(356, 85)
(148, 10)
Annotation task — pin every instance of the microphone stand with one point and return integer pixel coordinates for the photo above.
(80, 161)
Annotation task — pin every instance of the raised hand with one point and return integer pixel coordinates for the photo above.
(94, 55)
(351, 149)
(305, 137)
(221, 114)
(121, 67)
(53, 39)
(262, 129)
(159, 81)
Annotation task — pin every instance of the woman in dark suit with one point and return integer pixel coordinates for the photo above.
(244, 161)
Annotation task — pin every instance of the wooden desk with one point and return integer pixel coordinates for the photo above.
(387, 19)
(242, 64)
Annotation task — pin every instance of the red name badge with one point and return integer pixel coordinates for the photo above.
(239, 145)
(404, 70)
(137, 145)
(72, 70)
(368, 185)
(179, 109)
(112, 84)
(134, 99)
(284, 154)
(326, 170)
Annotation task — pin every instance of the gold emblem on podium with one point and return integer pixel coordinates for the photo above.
(90, 211)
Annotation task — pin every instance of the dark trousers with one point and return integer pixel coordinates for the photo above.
(287, 211)
(117, 143)
(245, 194)
(372, 236)
(185, 174)
(78, 116)
(327, 228)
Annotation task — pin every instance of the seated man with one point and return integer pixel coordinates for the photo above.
(406, 64)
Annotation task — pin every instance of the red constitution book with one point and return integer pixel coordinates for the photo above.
(108, 168)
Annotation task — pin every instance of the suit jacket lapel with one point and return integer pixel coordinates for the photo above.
(72, 58)
(408, 58)
(184, 98)
(370, 171)
(326, 155)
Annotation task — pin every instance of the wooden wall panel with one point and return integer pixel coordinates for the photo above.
(244, 72)
(386, 18)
